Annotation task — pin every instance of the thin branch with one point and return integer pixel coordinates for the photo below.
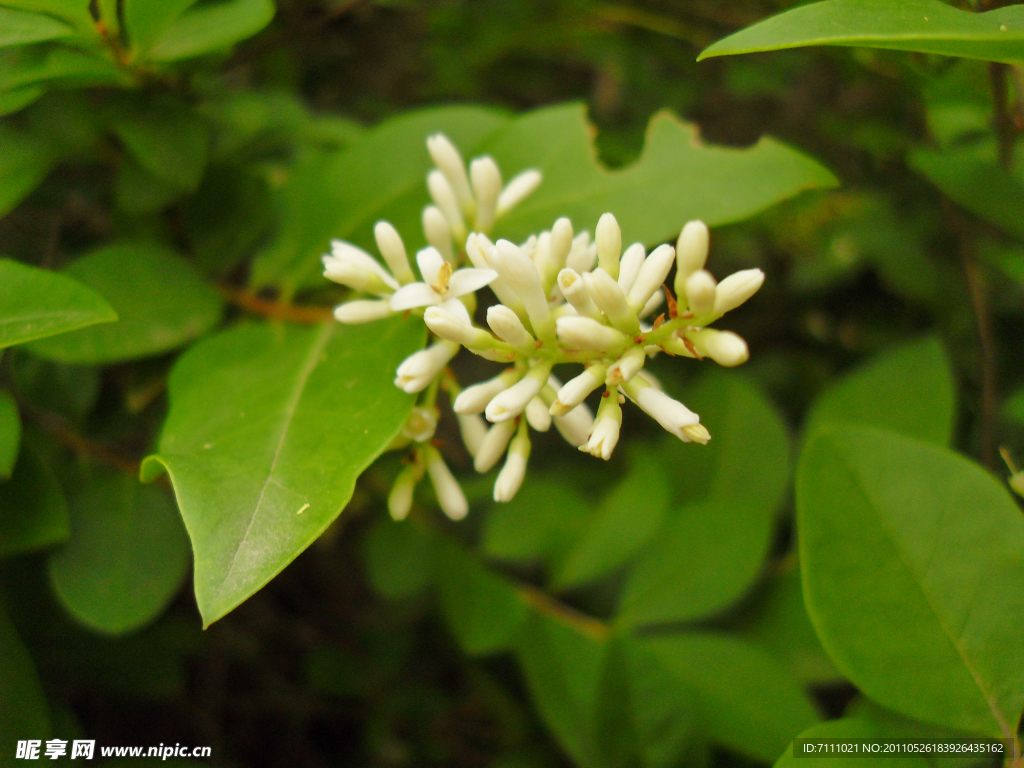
(275, 310)
(635, 17)
(976, 283)
(547, 605)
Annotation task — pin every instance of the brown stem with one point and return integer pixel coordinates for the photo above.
(275, 309)
(545, 604)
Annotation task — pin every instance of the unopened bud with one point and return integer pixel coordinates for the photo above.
(605, 434)
(391, 247)
(609, 244)
(474, 399)
(587, 333)
(561, 243)
(537, 415)
(724, 347)
(626, 367)
(576, 425)
(509, 328)
(473, 429)
(518, 272)
(736, 289)
(511, 476)
(575, 292)
(400, 498)
(583, 254)
(610, 299)
(444, 198)
(700, 292)
(691, 252)
(437, 232)
(362, 311)
(629, 266)
(493, 445)
(420, 368)
(576, 390)
(672, 415)
(486, 179)
(449, 325)
(517, 190)
(449, 494)
(652, 276)
(448, 159)
(510, 403)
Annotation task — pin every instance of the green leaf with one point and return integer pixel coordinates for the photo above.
(1013, 408)
(147, 19)
(483, 609)
(31, 65)
(137, 191)
(925, 26)
(24, 713)
(627, 518)
(269, 427)
(850, 728)
(166, 139)
(127, 556)
(161, 300)
(727, 493)
(70, 10)
(211, 27)
(21, 28)
(745, 700)
(913, 569)
(24, 163)
(398, 558)
(33, 513)
(19, 98)
(10, 433)
(36, 303)
(908, 389)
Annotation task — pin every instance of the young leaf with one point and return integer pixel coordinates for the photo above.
(24, 163)
(161, 300)
(36, 303)
(33, 513)
(913, 570)
(211, 27)
(166, 139)
(24, 713)
(126, 558)
(398, 558)
(147, 19)
(10, 433)
(269, 427)
(21, 28)
(716, 536)
(925, 26)
(744, 700)
(909, 390)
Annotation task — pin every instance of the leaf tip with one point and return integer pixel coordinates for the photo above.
(151, 468)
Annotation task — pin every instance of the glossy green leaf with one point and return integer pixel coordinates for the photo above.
(483, 609)
(269, 427)
(24, 713)
(21, 28)
(745, 700)
(913, 568)
(126, 558)
(714, 541)
(161, 300)
(10, 433)
(627, 518)
(211, 27)
(850, 728)
(398, 558)
(70, 10)
(33, 513)
(908, 389)
(36, 303)
(147, 19)
(24, 163)
(166, 139)
(925, 26)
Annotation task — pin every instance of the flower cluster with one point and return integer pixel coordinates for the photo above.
(562, 298)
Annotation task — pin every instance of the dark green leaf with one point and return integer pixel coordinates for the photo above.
(147, 19)
(69, 391)
(24, 713)
(137, 191)
(166, 139)
(909, 390)
(211, 27)
(268, 429)
(21, 28)
(19, 98)
(10, 433)
(727, 493)
(398, 558)
(913, 560)
(33, 514)
(24, 163)
(925, 26)
(127, 556)
(161, 300)
(36, 303)
(1014, 407)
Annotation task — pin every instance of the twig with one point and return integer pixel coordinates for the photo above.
(652, 22)
(275, 309)
(542, 602)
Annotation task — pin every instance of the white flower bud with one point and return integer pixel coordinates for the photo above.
(561, 243)
(391, 247)
(420, 425)
(626, 367)
(420, 368)
(673, 416)
(518, 272)
(444, 198)
(605, 434)
(486, 178)
(609, 244)
(724, 347)
(447, 158)
(509, 328)
(446, 487)
(475, 398)
(362, 311)
(357, 269)
(437, 232)
(512, 474)
(652, 304)
(610, 299)
(576, 425)
(576, 390)
(493, 445)
(691, 252)
(537, 415)
(450, 326)
(629, 266)
(736, 289)
(511, 402)
(583, 254)
(700, 292)
(652, 276)
(575, 292)
(517, 190)
(473, 429)
(400, 498)
(587, 333)
(541, 256)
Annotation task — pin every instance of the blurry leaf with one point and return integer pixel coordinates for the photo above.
(1013, 408)
(338, 672)
(20, 28)
(925, 26)
(161, 301)
(677, 177)
(398, 558)
(24, 713)
(269, 427)
(147, 19)
(959, 103)
(68, 390)
(913, 559)
(849, 728)
(983, 188)
(19, 98)
(70, 10)
(33, 514)
(745, 700)
(626, 519)
(909, 390)
(727, 493)
(343, 194)
(24, 163)
(126, 558)
(10, 433)
(483, 609)
(254, 122)
(25, 66)
(166, 139)
(36, 303)
(778, 622)
(137, 191)
(211, 27)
